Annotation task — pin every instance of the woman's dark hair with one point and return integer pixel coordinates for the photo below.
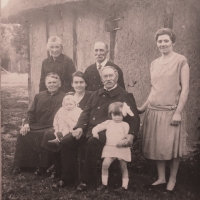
(166, 31)
(115, 109)
(79, 74)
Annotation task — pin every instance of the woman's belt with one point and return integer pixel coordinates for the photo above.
(162, 108)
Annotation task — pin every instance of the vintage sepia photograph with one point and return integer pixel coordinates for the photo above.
(100, 99)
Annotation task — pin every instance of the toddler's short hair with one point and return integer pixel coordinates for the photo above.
(115, 109)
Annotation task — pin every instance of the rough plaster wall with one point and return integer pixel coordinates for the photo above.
(187, 29)
(90, 28)
(136, 49)
(135, 45)
(60, 24)
(37, 49)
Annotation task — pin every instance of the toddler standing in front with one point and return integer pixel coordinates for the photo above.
(116, 130)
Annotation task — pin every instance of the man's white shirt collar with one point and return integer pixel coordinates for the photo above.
(103, 64)
(110, 88)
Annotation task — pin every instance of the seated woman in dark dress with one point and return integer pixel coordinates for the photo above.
(81, 97)
(29, 153)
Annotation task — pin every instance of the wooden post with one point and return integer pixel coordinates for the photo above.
(27, 25)
(47, 27)
(111, 25)
(112, 45)
(75, 37)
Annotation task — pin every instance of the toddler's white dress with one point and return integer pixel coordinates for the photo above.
(115, 132)
(64, 121)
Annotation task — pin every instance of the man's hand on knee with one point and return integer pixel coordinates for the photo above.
(128, 140)
(77, 133)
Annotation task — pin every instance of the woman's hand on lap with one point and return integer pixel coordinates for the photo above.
(25, 129)
(77, 133)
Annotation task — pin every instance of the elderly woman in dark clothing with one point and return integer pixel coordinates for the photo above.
(58, 63)
(81, 97)
(39, 119)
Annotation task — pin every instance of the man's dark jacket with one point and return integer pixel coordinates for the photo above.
(63, 66)
(93, 78)
(96, 110)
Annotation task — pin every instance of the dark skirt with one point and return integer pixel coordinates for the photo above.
(29, 152)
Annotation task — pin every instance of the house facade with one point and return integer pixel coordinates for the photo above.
(128, 27)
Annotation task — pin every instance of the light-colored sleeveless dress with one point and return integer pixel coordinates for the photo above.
(160, 140)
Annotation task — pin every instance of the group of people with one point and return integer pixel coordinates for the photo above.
(93, 109)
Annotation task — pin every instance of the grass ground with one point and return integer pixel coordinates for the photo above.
(26, 186)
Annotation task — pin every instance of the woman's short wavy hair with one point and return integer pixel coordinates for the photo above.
(79, 74)
(166, 31)
(54, 39)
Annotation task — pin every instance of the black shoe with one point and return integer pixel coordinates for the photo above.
(53, 145)
(161, 186)
(169, 192)
(120, 190)
(60, 136)
(102, 188)
(54, 175)
(38, 172)
(17, 170)
(54, 142)
(50, 170)
(58, 185)
(82, 187)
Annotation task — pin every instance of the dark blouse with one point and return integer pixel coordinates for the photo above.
(63, 66)
(84, 100)
(43, 109)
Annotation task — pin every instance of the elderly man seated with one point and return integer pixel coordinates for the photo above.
(39, 119)
(95, 112)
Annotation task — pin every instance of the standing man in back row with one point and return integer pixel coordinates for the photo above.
(92, 73)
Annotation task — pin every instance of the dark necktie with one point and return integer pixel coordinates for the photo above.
(99, 67)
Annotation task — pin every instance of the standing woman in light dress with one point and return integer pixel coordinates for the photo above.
(164, 127)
